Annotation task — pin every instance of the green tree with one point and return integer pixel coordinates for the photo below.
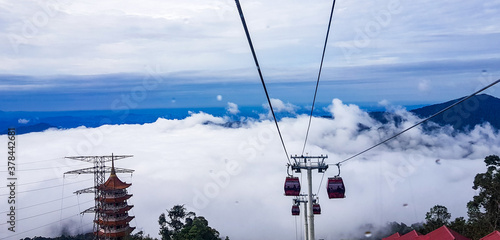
(139, 236)
(183, 225)
(435, 218)
(178, 218)
(483, 210)
(198, 229)
(400, 228)
(460, 226)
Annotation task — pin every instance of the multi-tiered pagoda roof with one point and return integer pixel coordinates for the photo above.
(113, 218)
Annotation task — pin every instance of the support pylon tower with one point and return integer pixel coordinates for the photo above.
(99, 170)
(309, 163)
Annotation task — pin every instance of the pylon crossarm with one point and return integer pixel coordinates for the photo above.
(92, 170)
(86, 190)
(89, 210)
(103, 158)
(82, 171)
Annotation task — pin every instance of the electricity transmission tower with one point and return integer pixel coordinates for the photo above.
(99, 170)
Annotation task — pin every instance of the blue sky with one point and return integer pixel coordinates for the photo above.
(78, 55)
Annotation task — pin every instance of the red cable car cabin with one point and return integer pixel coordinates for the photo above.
(292, 186)
(316, 208)
(335, 187)
(295, 210)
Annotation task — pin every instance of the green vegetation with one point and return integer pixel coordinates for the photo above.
(184, 225)
(87, 236)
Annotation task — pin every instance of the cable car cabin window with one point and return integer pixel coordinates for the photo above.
(316, 209)
(292, 186)
(295, 210)
(336, 188)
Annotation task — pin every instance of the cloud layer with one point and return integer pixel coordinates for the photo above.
(234, 176)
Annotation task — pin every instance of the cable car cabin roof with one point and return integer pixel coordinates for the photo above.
(335, 188)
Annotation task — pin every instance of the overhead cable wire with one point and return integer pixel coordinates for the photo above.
(43, 214)
(46, 160)
(44, 168)
(42, 203)
(45, 225)
(425, 120)
(321, 182)
(242, 17)
(28, 183)
(38, 189)
(319, 76)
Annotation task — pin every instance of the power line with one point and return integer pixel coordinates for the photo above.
(45, 225)
(46, 160)
(28, 183)
(38, 189)
(319, 76)
(425, 120)
(242, 17)
(43, 168)
(42, 203)
(41, 214)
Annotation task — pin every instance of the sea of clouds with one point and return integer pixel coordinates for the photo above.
(233, 174)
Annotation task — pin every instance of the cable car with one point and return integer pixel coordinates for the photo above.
(316, 208)
(295, 210)
(292, 186)
(335, 187)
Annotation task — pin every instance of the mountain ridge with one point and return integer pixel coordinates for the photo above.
(475, 111)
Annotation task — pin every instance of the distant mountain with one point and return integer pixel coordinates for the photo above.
(474, 111)
(39, 127)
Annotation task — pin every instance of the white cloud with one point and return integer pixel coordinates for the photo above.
(23, 121)
(203, 36)
(219, 98)
(424, 85)
(280, 106)
(384, 102)
(237, 174)
(232, 108)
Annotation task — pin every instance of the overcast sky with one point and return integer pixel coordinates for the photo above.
(74, 55)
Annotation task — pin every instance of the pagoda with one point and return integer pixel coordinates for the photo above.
(112, 209)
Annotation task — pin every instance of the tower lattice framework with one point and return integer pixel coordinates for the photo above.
(99, 170)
